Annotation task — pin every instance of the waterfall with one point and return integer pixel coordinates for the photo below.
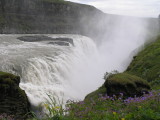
(63, 71)
(71, 71)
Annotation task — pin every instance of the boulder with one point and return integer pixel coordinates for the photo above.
(62, 41)
(13, 100)
(129, 85)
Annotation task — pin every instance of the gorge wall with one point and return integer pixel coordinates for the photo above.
(57, 17)
(48, 16)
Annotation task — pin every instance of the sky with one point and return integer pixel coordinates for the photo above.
(141, 8)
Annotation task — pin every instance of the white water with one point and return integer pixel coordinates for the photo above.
(64, 71)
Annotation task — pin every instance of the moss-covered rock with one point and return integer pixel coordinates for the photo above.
(147, 63)
(115, 84)
(127, 84)
(144, 67)
(13, 100)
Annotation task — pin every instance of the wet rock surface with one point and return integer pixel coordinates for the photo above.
(13, 100)
(54, 41)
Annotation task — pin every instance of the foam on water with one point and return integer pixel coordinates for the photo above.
(64, 71)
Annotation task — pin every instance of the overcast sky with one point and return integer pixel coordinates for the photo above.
(144, 8)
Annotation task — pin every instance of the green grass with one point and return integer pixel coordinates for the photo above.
(96, 93)
(125, 83)
(146, 107)
(125, 78)
(147, 63)
(112, 108)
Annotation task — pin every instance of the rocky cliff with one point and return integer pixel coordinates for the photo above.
(57, 16)
(49, 16)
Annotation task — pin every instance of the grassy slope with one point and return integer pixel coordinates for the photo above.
(147, 63)
(124, 78)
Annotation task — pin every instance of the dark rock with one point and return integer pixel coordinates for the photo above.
(59, 43)
(38, 38)
(127, 84)
(49, 17)
(13, 100)
(35, 38)
(69, 40)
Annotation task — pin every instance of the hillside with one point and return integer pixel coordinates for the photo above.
(147, 63)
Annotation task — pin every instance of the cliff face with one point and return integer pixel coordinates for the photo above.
(58, 17)
(48, 16)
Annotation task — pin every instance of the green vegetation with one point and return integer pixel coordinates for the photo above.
(9, 78)
(13, 100)
(116, 83)
(127, 84)
(95, 94)
(54, 107)
(147, 63)
(105, 107)
(116, 108)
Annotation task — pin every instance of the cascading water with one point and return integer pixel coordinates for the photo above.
(50, 69)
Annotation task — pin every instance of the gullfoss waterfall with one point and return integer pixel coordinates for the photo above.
(70, 70)
(51, 69)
